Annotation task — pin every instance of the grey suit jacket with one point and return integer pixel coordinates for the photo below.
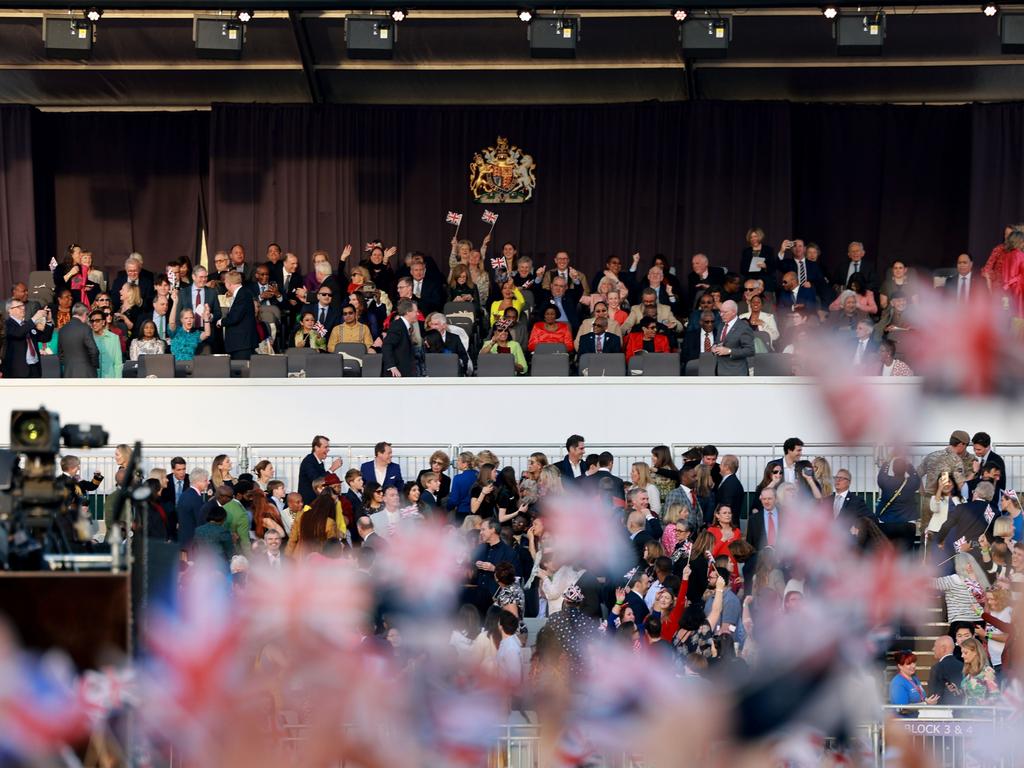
(741, 341)
(77, 349)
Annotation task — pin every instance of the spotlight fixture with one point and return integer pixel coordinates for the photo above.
(679, 14)
(399, 14)
(244, 15)
(525, 15)
(990, 9)
(93, 14)
(830, 12)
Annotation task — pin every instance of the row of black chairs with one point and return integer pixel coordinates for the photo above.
(314, 364)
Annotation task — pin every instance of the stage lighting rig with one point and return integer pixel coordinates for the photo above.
(244, 15)
(524, 15)
(679, 14)
(94, 14)
(990, 9)
(830, 12)
(399, 14)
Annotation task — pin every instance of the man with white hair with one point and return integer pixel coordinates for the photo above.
(134, 274)
(735, 343)
(454, 339)
(702, 276)
(189, 507)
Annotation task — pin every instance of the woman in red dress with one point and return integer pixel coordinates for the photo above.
(724, 533)
(550, 331)
(1013, 284)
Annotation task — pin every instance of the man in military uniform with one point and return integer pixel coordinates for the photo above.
(949, 459)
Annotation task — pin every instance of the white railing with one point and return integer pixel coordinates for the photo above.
(859, 459)
(949, 736)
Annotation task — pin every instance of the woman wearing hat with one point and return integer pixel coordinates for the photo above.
(573, 628)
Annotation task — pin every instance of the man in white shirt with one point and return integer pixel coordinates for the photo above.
(386, 522)
(793, 451)
(509, 661)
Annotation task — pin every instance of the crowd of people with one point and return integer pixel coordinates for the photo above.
(706, 557)
(485, 303)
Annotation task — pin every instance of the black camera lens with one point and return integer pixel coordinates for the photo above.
(31, 431)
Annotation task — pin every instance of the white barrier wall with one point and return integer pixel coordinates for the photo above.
(269, 419)
(644, 411)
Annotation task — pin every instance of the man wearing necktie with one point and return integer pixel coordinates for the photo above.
(736, 344)
(160, 307)
(963, 281)
(865, 349)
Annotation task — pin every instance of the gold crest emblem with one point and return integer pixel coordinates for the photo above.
(502, 174)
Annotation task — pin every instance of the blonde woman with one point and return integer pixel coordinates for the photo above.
(220, 472)
(550, 482)
(979, 681)
(823, 474)
(535, 464)
(641, 476)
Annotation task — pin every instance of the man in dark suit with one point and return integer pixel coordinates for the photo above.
(599, 340)
(382, 469)
(438, 321)
(239, 323)
(397, 350)
(808, 273)
(572, 467)
(965, 282)
(24, 335)
(288, 278)
(190, 508)
(636, 526)
(426, 289)
(735, 343)
(846, 505)
(314, 466)
(607, 485)
(856, 263)
(730, 489)
(177, 484)
(794, 297)
(371, 539)
(325, 311)
(946, 675)
(134, 274)
(863, 349)
(76, 346)
(702, 276)
(237, 258)
(981, 443)
(763, 529)
(562, 300)
(195, 297)
(354, 493)
(968, 520)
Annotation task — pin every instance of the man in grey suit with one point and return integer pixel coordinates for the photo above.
(79, 355)
(735, 343)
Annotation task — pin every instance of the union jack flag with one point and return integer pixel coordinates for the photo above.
(585, 532)
(489, 217)
(498, 263)
(422, 564)
(194, 667)
(959, 544)
(315, 601)
(453, 218)
(41, 711)
(373, 244)
(107, 690)
(814, 540)
(883, 588)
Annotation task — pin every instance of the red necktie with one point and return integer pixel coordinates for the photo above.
(707, 342)
(693, 499)
(771, 528)
(725, 328)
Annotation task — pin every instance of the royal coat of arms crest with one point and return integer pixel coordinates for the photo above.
(502, 174)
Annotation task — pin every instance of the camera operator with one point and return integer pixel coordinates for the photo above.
(70, 467)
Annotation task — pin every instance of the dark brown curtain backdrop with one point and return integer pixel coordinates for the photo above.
(896, 178)
(17, 202)
(658, 178)
(919, 183)
(122, 182)
(997, 173)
